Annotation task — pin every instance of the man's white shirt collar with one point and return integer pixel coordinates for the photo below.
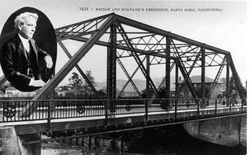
(25, 43)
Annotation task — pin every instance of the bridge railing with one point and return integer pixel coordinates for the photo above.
(12, 110)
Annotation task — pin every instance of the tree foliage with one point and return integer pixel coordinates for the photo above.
(79, 87)
(75, 81)
(233, 91)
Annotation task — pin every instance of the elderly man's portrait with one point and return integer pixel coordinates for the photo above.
(24, 62)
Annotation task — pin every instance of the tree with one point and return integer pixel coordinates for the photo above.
(80, 86)
(232, 87)
(75, 81)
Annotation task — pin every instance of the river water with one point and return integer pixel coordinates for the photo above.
(171, 140)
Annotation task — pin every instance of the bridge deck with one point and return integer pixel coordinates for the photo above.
(62, 117)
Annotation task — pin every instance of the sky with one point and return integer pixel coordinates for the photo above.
(225, 29)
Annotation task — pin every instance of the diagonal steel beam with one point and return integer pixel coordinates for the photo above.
(69, 65)
(161, 85)
(189, 71)
(188, 51)
(78, 68)
(186, 77)
(2, 80)
(137, 59)
(74, 60)
(164, 79)
(236, 78)
(129, 77)
(184, 72)
(152, 29)
(217, 76)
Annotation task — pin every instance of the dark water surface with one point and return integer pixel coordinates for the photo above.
(170, 140)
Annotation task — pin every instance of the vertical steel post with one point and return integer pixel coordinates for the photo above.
(176, 89)
(230, 105)
(77, 141)
(4, 106)
(198, 107)
(49, 116)
(167, 72)
(111, 69)
(146, 111)
(203, 104)
(242, 103)
(148, 73)
(83, 141)
(215, 112)
(147, 87)
(106, 111)
(227, 81)
(90, 142)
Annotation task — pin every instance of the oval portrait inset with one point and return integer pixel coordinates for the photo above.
(28, 49)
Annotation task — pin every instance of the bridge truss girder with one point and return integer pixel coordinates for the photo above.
(128, 38)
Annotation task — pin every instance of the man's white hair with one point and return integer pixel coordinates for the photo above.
(20, 18)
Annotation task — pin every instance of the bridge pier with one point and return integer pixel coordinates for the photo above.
(12, 144)
(30, 149)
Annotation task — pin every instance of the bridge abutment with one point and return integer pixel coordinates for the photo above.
(12, 144)
(9, 141)
(230, 131)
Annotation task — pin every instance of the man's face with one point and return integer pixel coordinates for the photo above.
(28, 29)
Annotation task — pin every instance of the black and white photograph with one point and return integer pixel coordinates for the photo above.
(115, 77)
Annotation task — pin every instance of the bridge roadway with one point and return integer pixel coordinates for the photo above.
(61, 115)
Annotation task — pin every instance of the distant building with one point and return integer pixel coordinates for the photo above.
(196, 80)
(13, 92)
(129, 94)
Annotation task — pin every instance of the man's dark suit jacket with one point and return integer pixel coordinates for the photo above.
(14, 62)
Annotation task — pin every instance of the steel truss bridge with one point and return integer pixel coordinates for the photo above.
(126, 38)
